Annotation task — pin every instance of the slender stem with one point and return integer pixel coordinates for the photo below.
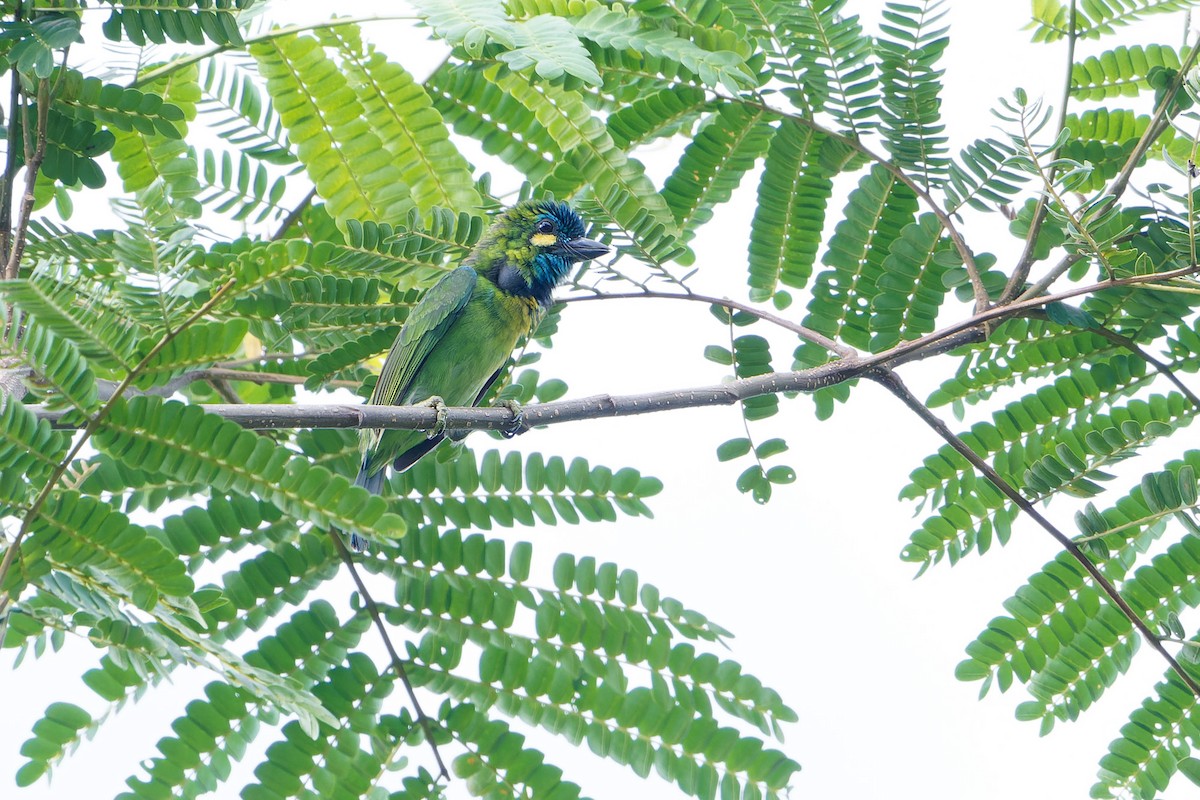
(397, 662)
(33, 163)
(92, 425)
(294, 215)
(892, 383)
(1043, 283)
(1017, 279)
(10, 156)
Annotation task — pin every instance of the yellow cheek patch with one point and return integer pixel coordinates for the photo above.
(543, 239)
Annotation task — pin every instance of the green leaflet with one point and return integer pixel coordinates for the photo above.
(874, 218)
(610, 28)
(835, 56)
(983, 174)
(77, 532)
(402, 115)
(910, 289)
(188, 444)
(549, 46)
(142, 158)
(504, 127)
(788, 219)
(60, 305)
(346, 160)
(714, 162)
(52, 358)
(191, 22)
(660, 114)
(53, 735)
(1144, 758)
(910, 84)
(28, 446)
(1120, 72)
(198, 345)
(1051, 18)
(217, 728)
(1026, 431)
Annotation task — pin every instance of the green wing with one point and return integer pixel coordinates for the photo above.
(422, 331)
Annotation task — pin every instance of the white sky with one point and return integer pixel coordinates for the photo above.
(823, 609)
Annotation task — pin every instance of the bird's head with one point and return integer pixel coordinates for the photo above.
(529, 249)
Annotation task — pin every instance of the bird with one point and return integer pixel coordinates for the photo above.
(457, 339)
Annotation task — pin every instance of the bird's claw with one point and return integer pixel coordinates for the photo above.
(439, 425)
(518, 425)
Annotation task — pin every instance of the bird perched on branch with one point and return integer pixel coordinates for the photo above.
(457, 339)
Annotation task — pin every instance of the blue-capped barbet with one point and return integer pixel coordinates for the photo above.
(461, 333)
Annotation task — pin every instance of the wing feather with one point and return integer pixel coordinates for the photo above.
(423, 329)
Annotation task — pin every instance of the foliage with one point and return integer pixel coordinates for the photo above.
(283, 196)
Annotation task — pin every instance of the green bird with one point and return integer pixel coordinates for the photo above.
(457, 339)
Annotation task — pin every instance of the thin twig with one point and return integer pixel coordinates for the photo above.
(9, 178)
(892, 383)
(294, 215)
(804, 333)
(1162, 367)
(1043, 283)
(397, 662)
(1021, 272)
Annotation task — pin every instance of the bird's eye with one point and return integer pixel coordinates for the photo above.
(544, 226)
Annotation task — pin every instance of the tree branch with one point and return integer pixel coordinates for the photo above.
(892, 383)
(275, 416)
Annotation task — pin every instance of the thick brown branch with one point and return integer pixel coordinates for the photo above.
(271, 416)
(892, 383)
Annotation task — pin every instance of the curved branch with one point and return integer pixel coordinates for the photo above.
(892, 383)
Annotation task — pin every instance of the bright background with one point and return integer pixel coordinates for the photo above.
(824, 610)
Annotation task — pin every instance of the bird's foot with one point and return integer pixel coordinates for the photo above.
(438, 405)
(518, 424)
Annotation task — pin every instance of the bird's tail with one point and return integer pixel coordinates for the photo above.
(373, 483)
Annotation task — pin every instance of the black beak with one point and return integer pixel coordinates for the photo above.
(580, 249)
